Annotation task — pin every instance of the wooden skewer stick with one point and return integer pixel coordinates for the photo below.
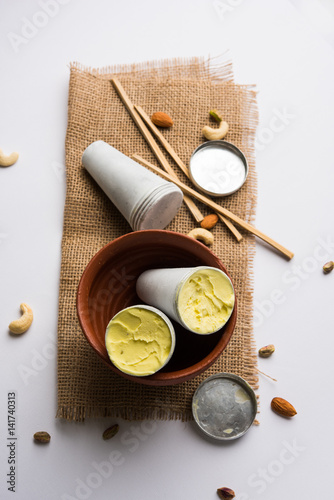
(162, 140)
(262, 373)
(179, 162)
(217, 208)
(194, 210)
(238, 236)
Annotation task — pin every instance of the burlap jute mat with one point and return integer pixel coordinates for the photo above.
(186, 90)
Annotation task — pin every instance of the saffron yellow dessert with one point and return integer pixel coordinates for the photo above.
(206, 300)
(140, 340)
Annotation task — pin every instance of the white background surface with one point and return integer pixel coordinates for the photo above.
(286, 49)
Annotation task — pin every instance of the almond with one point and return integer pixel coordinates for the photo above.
(162, 119)
(209, 221)
(283, 407)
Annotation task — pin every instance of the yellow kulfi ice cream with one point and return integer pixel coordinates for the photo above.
(140, 340)
(206, 300)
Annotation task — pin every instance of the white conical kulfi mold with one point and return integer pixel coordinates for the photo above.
(144, 199)
(162, 288)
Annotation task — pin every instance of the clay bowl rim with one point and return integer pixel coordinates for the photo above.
(159, 378)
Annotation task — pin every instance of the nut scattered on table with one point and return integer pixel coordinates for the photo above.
(22, 324)
(216, 115)
(202, 234)
(42, 437)
(283, 407)
(266, 351)
(209, 221)
(328, 267)
(110, 432)
(162, 120)
(215, 134)
(225, 493)
(8, 160)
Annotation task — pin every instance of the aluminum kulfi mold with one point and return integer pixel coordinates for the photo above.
(224, 407)
(218, 168)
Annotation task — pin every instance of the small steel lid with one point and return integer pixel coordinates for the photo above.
(218, 168)
(224, 406)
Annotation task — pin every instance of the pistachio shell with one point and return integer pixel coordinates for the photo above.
(266, 351)
(225, 493)
(42, 437)
(110, 432)
(328, 267)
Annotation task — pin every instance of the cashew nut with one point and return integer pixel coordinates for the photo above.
(202, 234)
(8, 160)
(22, 324)
(214, 134)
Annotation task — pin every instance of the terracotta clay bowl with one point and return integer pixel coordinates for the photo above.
(108, 285)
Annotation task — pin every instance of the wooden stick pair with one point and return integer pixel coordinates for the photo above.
(217, 208)
(140, 118)
(172, 177)
(180, 164)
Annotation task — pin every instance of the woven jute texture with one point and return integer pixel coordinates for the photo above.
(186, 90)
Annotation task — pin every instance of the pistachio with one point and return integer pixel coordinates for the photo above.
(226, 493)
(328, 267)
(42, 437)
(266, 351)
(216, 115)
(110, 432)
